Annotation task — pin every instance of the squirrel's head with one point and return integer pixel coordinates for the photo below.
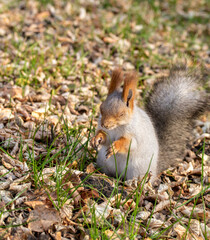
(117, 109)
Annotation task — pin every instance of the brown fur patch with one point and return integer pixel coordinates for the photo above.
(117, 78)
(107, 121)
(102, 134)
(122, 145)
(130, 83)
(119, 146)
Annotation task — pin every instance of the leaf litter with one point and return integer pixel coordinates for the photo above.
(54, 63)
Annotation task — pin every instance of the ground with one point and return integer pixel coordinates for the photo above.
(55, 59)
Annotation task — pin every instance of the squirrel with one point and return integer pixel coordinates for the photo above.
(131, 139)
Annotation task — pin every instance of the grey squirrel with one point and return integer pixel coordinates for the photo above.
(130, 138)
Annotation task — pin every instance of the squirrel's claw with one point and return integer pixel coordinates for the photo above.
(95, 142)
(111, 151)
(99, 139)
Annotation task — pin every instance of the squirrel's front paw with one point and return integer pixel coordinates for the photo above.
(113, 149)
(98, 140)
(95, 142)
(119, 146)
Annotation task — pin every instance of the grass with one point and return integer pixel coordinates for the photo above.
(63, 166)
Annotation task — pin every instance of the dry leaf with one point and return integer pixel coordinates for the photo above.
(90, 168)
(6, 114)
(42, 218)
(33, 204)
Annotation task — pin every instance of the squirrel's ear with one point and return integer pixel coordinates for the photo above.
(116, 80)
(130, 94)
(129, 89)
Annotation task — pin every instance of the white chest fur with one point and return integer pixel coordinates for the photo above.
(144, 148)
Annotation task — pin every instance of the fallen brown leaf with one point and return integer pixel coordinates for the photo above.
(42, 218)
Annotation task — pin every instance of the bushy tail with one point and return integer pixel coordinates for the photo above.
(173, 104)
